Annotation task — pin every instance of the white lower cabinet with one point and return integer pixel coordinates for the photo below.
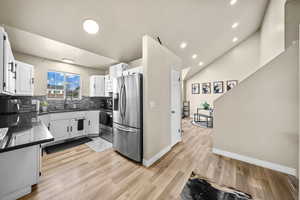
(60, 129)
(71, 124)
(92, 122)
(19, 171)
(73, 132)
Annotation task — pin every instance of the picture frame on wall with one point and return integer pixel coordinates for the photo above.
(231, 84)
(218, 87)
(195, 88)
(206, 88)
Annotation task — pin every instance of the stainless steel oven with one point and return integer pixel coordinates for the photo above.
(105, 122)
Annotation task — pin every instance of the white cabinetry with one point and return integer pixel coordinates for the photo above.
(135, 70)
(60, 129)
(92, 122)
(97, 84)
(19, 171)
(108, 85)
(71, 124)
(24, 79)
(116, 71)
(7, 65)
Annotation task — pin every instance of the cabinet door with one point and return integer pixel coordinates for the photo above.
(60, 129)
(9, 70)
(24, 79)
(93, 122)
(107, 85)
(96, 86)
(100, 86)
(73, 128)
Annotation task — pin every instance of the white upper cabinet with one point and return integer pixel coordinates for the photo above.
(7, 65)
(116, 71)
(97, 86)
(135, 70)
(24, 79)
(108, 85)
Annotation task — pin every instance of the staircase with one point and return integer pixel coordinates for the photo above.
(257, 121)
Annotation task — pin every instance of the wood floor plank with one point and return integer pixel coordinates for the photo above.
(79, 173)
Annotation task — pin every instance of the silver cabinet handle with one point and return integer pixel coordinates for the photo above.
(68, 129)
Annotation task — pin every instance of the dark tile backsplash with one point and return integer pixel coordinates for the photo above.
(84, 103)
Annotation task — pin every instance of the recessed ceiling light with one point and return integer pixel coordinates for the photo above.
(66, 60)
(183, 45)
(232, 2)
(90, 26)
(234, 25)
(201, 63)
(194, 56)
(235, 39)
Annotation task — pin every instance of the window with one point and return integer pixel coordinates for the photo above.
(73, 86)
(63, 85)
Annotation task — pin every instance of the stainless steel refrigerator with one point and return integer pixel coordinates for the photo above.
(128, 116)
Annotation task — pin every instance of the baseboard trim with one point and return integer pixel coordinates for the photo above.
(151, 161)
(254, 161)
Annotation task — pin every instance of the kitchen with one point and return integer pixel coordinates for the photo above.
(34, 124)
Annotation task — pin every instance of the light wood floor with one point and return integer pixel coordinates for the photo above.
(80, 173)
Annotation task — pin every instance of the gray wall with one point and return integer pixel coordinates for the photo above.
(157, 62)
(42, 66)
(292, 21)
(272, 31)
(259, 119)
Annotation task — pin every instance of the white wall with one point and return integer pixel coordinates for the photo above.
(157, 62)
(259, 119)
(237, 64)
(272, 31)
(42, 66)
(136, 63)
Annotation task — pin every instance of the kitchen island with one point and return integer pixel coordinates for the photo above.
(20, 156)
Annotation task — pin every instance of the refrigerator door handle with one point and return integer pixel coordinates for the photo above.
(124, 101)
(121, 100)
(124, 129)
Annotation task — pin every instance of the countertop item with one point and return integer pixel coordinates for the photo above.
(23, 131)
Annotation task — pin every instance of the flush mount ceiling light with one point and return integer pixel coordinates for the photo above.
(200, 63)
(183, 45)
(232, 2)
(234, 25)
(66, 60)
(90, 26)
(235, 39)
(194, 56)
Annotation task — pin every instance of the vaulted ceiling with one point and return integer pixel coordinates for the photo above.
(205, 25)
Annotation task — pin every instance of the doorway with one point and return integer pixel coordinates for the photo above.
(175, 107)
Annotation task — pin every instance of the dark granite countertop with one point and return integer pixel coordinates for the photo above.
(24, 133)
(67, 110)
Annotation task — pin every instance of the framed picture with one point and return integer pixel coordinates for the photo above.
(231, 84)
(206, 88)
(218, 87)
(195, 88)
